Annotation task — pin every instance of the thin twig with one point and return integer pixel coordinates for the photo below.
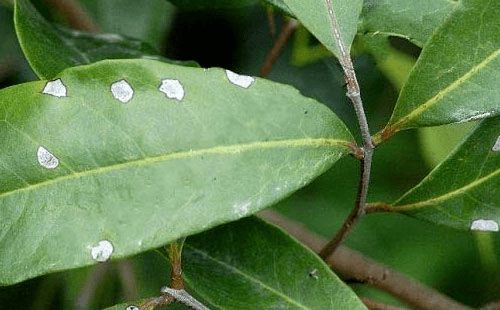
(76, 15)
(353, 92)
(270, 19)
(128, 280)
(161, 301)
(185, 298)
(377, 305)
(286, 32)
(352, 265)
(89, 287)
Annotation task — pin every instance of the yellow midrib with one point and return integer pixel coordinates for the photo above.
(448, 195)
(230, 149)
(252, 279)
(440, 95)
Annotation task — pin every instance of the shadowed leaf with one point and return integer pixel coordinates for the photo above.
(258, 266)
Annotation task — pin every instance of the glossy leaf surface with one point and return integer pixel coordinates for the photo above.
(463, 191)
(258, 266)
(136, 153)
(314, 16)
(456, 76)
(51, 49)
(414, 20)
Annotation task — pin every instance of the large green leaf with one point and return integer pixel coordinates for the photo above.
(414, 20)
(456, 76)
(463, 191)
(313, 14)
(250, 264)
(139, 153)
(51, 49)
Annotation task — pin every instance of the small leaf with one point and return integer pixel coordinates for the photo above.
(456, 76)
(139, 153)
(313, 14)
(51, 49)
(463, 191)
(250, 264)
(414, 20)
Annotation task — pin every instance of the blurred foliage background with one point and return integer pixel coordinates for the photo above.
(462, 265)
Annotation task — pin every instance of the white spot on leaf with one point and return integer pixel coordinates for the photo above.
(132, 308)
(314, 274)
(172, 89)
(55, 88)
(101, 252)
(46, 159)
(476, 117)
(122, 91)
(496, 147)
(240, 80)
(241, 210)
(484, 225)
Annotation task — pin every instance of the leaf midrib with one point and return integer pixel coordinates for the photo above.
(443, 93)
(449, 195)
(229, 149)
(252, 279)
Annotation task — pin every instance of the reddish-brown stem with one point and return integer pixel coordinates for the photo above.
(354, 266)
(379, 207)
(76, 15)
(376, 305)
(287, 30)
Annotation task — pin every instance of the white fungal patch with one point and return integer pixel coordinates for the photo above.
(172, 89)
(476, 117)
(496, 147)
(102, 251)
(314, 274)
(132, 308)
(240, 80)
(55, 88)
(46, 159)
(484, 225)
(241, 210)
(122, 91)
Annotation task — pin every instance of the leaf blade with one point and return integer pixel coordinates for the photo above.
(220, 152)
(453, 80)
(258, 265)
(50, 49)
(412, 20)
(314, 16)
(462, 189)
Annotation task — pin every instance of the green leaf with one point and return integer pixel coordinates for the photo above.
(147, 21)
(437, 142)
(456, 76)
(85, 160)
(313, 14)
(51, 49)
(414, 20)
(463, 191)
(250, 264)
(280, 5)
(214, 4)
